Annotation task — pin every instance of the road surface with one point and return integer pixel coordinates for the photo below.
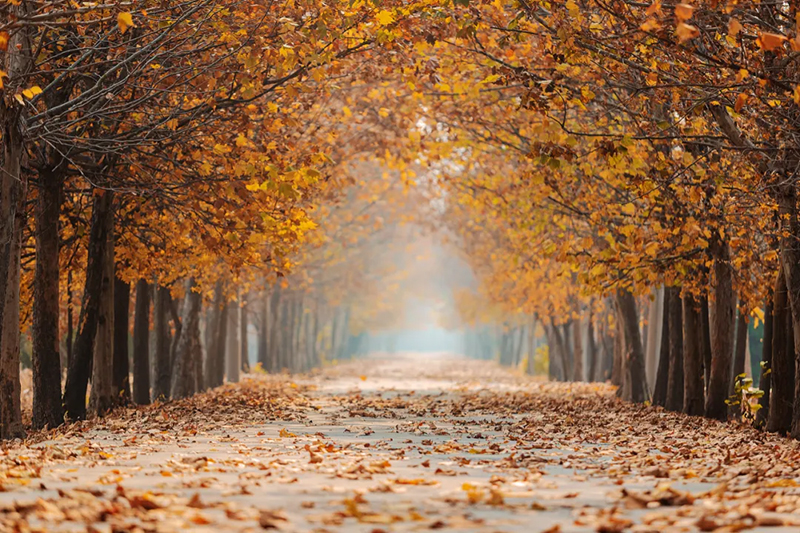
(401, 443)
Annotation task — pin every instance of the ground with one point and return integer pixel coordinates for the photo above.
(401, 443)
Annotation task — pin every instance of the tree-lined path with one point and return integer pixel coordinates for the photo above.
(392, 444)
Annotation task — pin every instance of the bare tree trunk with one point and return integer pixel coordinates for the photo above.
(101, 398)
(232, 353)
(121, 371)
(694, 387)
(783, 363)
(740, 352)
(141, 341)
(577, 343)
(617, 366)
(162, 349)
(47, 409)
(177, 328)
(215, 358)
(13, 194)
(591, 346)
(244, 355)
(654, 322)
(705, 339)
(675, 386)
(265, 331)
(721, 334)
(83, 353)
(662, 376)
(314, 337)
(765, 383)
(634, 356)
(184, 372)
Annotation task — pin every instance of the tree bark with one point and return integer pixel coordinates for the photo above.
(162, 352)
(662, 375)
(13, 194)
(675, 385)
(740, 351)
(244, 352)
(141, 343)
(46, 360)
(765, 383)
(721, 334)
(101, 397)
(577, 343)
(83, 352)
(705, 339)
(264, 331)
(232, 362)
(654, 322)
(215, 358)
(783, 362)
(184, 373)
(121, 371)
(634, 355)
(694, 386)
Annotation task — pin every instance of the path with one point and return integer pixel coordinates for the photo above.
(410, 443)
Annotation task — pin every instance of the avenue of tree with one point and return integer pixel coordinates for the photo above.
(620, 176)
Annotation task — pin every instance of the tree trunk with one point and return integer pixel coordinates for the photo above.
(765, 383)
(654, 322)
(577, 343)
(215, 358)
(101, 398)
(177, 328)
(184, 373)
(13, 194)
(740, 352)
(561, 348)
(83, 352)
(783, 362)
(662, 375)
(264, 331)
(232, 362)
(705, 339)
(634, 356)
(675, 385)
(244, 355)
(721, 334)
(162, 349)
(121, 372)
(141, 342)
(694, 386)
(46, 360)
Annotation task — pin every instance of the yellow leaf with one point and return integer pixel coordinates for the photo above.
(385, 17)
(124, 21)
(18, 98)
(3, 74)
(362, 378)
(3, 41)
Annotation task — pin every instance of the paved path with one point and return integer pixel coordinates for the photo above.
(401, 443)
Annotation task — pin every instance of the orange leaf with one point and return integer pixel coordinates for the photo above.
(740, 101)
(686, 32)
(683, 12)
(734, 27)
(770, 41)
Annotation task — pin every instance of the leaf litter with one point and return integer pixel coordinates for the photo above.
(418, 445)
